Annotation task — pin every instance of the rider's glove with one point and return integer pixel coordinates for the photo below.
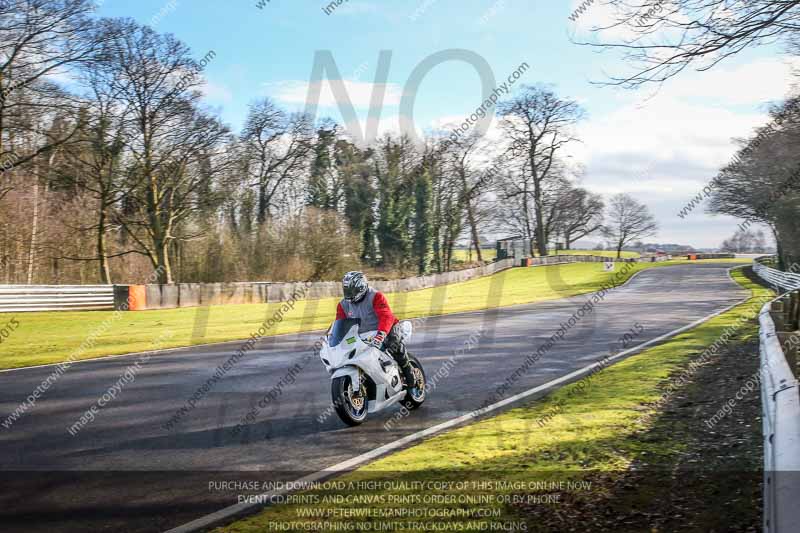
(378, 340)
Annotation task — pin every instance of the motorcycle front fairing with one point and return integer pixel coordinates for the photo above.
(345, 351)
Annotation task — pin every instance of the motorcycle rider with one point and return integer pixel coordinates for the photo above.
(365, 303)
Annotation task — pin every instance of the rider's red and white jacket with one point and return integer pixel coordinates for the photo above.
(378, 313)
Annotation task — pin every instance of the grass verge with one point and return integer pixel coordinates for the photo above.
(512, 471)
(52, 337)
(489, 254)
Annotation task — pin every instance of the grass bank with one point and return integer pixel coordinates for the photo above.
(52, 337)
(533, 463)
(489, 254)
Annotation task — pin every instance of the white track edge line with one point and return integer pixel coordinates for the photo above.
(233, 511)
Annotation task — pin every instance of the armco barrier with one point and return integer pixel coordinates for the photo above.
(140, 297)
(701, 256)
(195, 294)
(559, 259)
(22, 298)
(783, 281)
(780, 401)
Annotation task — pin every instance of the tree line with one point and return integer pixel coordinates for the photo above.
(114, 167)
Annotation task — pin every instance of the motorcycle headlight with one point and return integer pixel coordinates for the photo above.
(327, 363)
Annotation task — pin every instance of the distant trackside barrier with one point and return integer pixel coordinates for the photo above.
(18, 298)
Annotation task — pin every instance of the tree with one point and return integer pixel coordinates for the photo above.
(395, 172)
(745, 241)
(628, 220)
(460, 158)
(39, 39)
(355, 171)
(538, 124)
(762, 181)
(321, 193)
(581, 214)
(328, 243)
(664, 38)
(516, 192)
(172, 141)
(94, 164)
(447, 205)
(276, 147)
(555, 198)
(423, 232)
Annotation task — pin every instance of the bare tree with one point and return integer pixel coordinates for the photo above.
(516, 198)
(559, 197)
(760, 184)
(628, 221)
(539, 125)
(173, 145)
(40, 39)
(277, 146)
(667, 37)
(745, 241)
(459, 158)
(580, 215)
(95, 160)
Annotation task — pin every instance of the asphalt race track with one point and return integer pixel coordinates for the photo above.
(125, 471)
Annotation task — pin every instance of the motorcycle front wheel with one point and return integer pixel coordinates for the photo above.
(350, 406)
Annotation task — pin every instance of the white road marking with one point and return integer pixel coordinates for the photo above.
(237, 510)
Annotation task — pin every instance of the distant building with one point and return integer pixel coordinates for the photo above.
(513, 248)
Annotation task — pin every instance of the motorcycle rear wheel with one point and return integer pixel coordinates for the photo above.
(415, 396)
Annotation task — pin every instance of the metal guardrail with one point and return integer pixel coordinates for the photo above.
(780, 401)
(19, 298)
(784, 281)
(22, 298)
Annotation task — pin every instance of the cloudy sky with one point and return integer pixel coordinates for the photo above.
(661, 146)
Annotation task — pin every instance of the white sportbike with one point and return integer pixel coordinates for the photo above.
(363, 378)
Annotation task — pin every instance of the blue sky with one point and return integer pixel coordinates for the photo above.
(661, 148)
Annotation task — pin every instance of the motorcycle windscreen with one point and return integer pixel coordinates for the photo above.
(340, 329)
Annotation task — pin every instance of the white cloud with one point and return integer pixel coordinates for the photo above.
(664, 148)
(360, 93)
(678, 139)
(753, 83)
(216, 92)
(678, 125)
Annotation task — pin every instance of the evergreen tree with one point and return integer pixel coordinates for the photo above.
(396, 198)
(358, 190)
(423, 227)
(319, 193)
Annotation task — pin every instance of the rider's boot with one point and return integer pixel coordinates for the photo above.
(397, 349)
(408, 374)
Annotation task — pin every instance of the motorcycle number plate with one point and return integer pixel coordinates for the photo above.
(351, 340)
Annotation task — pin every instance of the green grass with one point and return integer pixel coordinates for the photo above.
(490, 253)
(587, 428)
(51, 337)
(460, 254)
